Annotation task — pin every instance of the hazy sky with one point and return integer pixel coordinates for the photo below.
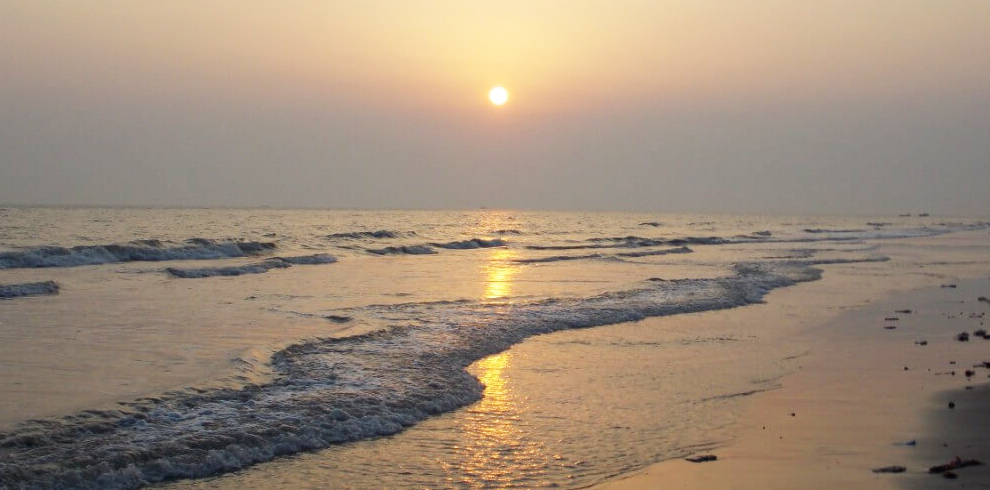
(781, 106)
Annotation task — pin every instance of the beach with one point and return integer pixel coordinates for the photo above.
(468, 349)
(494, 245)
(864, 398)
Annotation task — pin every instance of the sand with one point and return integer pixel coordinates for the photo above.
(857, 400)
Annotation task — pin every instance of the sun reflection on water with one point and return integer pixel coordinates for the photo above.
(500, 450)
(498, 271)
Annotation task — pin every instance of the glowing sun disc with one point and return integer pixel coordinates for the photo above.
(498, 95)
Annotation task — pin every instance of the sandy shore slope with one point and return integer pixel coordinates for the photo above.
(858, 401)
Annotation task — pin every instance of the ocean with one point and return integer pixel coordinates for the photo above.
(263, 348)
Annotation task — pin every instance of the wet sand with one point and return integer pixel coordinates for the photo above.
(857, 402)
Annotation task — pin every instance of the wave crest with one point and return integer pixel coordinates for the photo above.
(471, 244)
(259, 268)
(28, 289)
(144, 251)
(330, 391)
(403, 250)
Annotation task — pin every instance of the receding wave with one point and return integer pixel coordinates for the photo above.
(8, 291)
(144, 250)
(330, 391)
(507, 231)
(358, 235)
(403, 250)
(471, 244)
(259, 268)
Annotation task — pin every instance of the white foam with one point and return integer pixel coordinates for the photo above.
(197, 249)
(335, 390)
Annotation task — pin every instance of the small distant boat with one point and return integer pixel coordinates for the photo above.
(906, 215)
(923, 215)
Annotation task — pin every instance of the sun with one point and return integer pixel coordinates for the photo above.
(498, 95)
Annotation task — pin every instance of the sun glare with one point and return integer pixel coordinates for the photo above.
(498, 95)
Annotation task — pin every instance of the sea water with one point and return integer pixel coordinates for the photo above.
(399, 349)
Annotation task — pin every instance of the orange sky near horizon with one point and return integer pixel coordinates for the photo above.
(552, 55)
(765, 105)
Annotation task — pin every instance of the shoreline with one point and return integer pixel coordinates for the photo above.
(767, 330)
(856, 400)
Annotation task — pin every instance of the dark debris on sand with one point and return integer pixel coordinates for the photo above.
(954, 464)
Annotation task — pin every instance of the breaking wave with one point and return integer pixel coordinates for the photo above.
(330, 391)
(427, 250)
(143, 250)
(471, 244)
(28, 289)
(259, 268)
(403, 250)
(237, 270)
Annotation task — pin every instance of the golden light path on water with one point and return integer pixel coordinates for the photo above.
(496, 430)
(494, 426)
(499, 269)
